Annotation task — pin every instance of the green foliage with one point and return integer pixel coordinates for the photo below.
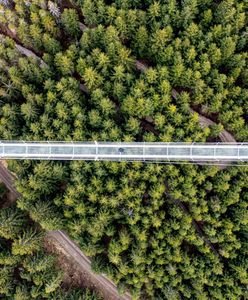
(38, 263)
(53, 283)
(70, 22)
(76, 294)
(11, 221)
(46, 215)
(28, 272)
(28, 243)
(21, 293)
(8, 259)
(160, 231)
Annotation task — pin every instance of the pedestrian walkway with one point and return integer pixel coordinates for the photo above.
(120, 151)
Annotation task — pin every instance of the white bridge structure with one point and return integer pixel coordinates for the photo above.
(121, 151)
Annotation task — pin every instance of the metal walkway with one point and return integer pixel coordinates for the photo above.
(117, 151)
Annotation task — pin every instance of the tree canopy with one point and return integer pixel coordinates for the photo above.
(106, 70)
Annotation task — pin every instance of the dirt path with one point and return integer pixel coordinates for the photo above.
(30, 53)
(8, 179)
(100, 281)
(197, 227)
(225, 136)
(105, 287)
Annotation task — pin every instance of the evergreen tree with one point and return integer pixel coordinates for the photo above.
(11, 222)
(28, 243)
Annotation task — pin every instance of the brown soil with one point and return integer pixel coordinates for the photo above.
(76, 265)
(8, 199)
(74, 277)
(7, 178)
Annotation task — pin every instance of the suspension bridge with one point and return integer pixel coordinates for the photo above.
(121, 151)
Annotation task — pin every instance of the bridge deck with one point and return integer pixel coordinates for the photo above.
(117, 151)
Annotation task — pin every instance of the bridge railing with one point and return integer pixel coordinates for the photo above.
(116, 151)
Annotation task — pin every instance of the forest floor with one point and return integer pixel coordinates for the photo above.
(74, 276)
(8, 179)
(225, 136)
(71, 260)
(78, 267)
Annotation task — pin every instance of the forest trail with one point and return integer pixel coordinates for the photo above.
(84, 262)
(8, 179)
(107, 287)
(225, 136)
(29, 53)
(197, 227)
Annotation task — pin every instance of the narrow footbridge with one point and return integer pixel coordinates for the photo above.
(121, 151)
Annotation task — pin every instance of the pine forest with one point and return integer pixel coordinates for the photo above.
(132, 71)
